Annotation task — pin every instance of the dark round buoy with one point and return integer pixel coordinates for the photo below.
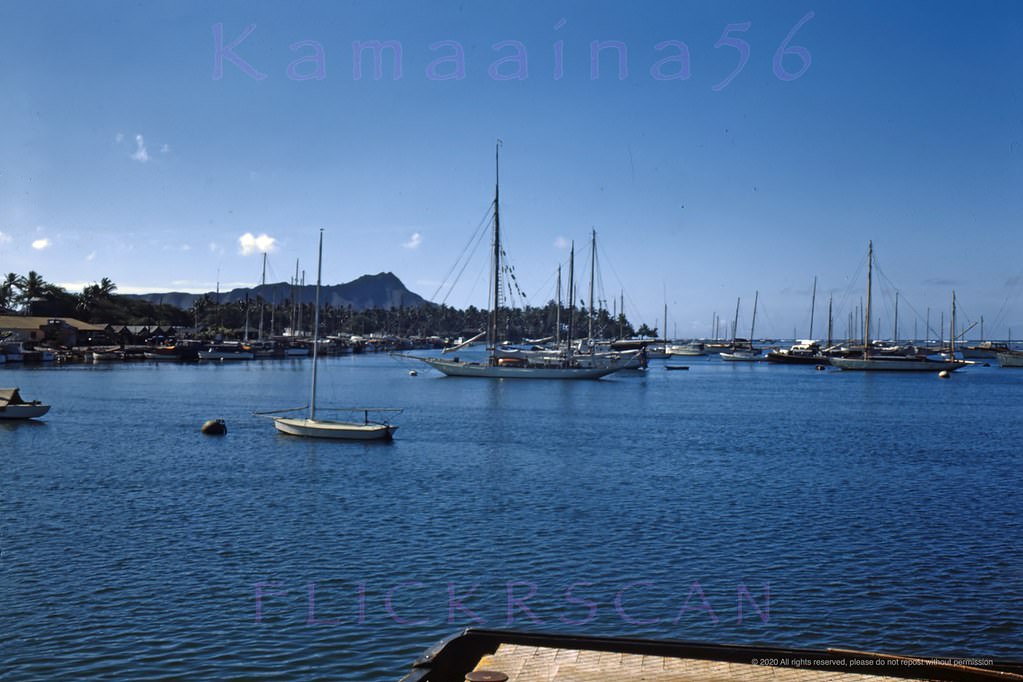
(214, 427)
(820, 368)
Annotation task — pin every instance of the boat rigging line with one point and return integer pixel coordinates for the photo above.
(468, 251)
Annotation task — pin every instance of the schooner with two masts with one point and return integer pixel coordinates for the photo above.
(496, 367)
(899, 363)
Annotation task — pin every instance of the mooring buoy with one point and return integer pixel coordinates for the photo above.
(820, 368)
(943, 374)
(413, 373)
(214, 427)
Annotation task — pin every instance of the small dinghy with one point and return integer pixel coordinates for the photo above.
(13, 407)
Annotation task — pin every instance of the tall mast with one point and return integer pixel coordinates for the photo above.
(557, 326)
(753, 324)
(735, 325)
(952, 332)
(301, 290)
(896, 339)
(220, 314)
(294, 301)
(866, 321)
(829, 322)
(664, 334)
(621, 321)
(593, 269)
(262, 283)
(497, 245)
(571, 295)
(813, 302)
(316, 330)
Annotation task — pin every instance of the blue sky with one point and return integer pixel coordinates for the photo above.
(122, 156)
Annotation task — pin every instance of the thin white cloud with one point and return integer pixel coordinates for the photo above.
(165, 149)
(216, 248)
(41, 244)
(140, 154)
(414, 241)
(4, 238)
(561, 243)
(91, 256)
(76, 286)
(186, 247)
(119, 138)
(249, 244)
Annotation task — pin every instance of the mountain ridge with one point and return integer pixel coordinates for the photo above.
(382, 290)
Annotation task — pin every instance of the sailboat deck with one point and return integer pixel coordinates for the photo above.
(523, 663)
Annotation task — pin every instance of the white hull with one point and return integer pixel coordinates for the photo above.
(896, 364)
(454, 368)
(23, 411)
(741, 356)
(161, 357)
(315, 428)
(687, 349)
(1010, 359)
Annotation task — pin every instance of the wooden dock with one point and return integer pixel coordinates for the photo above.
(543, 664)
(480, 655)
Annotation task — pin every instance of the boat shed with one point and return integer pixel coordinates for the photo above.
(66, 331)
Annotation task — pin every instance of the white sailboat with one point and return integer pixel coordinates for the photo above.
(897, 363)
(310, 426)
(1010, 358)
(745, 354)
(546, 366)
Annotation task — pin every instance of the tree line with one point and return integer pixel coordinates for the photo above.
(99, 304)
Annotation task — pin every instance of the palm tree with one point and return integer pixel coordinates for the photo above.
(105, 288)
(33, 289)
(6, 296)
(87, 299)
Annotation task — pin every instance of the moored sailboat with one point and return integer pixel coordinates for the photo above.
(1010, 358)
(871, 361)
(744, 354)
(806, 351)
(310, 426)
(560, 365)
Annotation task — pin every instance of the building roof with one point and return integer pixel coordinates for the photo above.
(35, 322)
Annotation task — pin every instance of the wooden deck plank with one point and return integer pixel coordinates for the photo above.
(546, 664)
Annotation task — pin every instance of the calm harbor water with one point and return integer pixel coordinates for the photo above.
(730, 503)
